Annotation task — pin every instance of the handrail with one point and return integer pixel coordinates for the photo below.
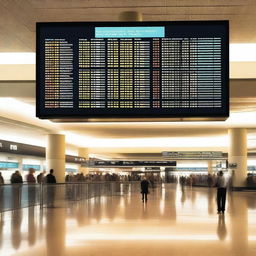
(63, 183)
(20, 195)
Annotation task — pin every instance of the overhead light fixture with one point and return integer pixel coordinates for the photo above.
(179, 142)
(242, 52)
(12, 58)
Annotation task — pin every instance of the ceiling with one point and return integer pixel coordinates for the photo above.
(17, 118)
(18, 18)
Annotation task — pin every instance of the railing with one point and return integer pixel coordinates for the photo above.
(251, 181)
(15, 196)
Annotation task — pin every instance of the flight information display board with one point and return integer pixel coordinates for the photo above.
(132, 70)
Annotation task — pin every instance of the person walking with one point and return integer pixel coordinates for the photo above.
(144, 189)
(221, 192)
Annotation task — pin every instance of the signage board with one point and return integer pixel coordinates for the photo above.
(192, 154)
(111, 70)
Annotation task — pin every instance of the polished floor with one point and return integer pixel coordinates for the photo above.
(174, 221)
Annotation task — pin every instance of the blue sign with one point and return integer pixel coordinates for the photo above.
(71, 170)
(34, 166)
(129, 32)
(191, 168)
(7, 165)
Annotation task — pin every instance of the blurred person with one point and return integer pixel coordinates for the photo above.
(50, 178)
(144, 189)
(72, 177)
(221, 192)
(192, 180)
(31, 189)
(182, 181)
(183, 194)
(152, 183)
(41, 177)
(209, 180)
(16, 177)
(16, 192)
(1, 179)
(2, 207)
(231, 180)
(67, 177)
(30, 176)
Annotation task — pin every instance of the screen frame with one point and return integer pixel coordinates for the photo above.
(98, 118)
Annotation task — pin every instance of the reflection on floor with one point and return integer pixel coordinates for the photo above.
(175, 221)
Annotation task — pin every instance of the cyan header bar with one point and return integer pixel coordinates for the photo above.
(129, 32)
(9, 165)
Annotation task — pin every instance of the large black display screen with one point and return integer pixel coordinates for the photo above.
(132, 70)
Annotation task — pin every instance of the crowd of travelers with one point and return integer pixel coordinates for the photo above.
(30, 178)
(190, 180)
(208, 180)
(16, 177)
(251, 180)
(199, 180)
(80, 177)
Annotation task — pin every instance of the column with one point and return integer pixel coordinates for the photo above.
(55, 155)
(237, 154)
(83, 152)
(210, 170)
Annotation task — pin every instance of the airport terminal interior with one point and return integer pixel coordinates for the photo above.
(137, 131)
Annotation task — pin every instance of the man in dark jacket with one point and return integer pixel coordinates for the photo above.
(16, 177)
(50, 178)
(144, 189)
